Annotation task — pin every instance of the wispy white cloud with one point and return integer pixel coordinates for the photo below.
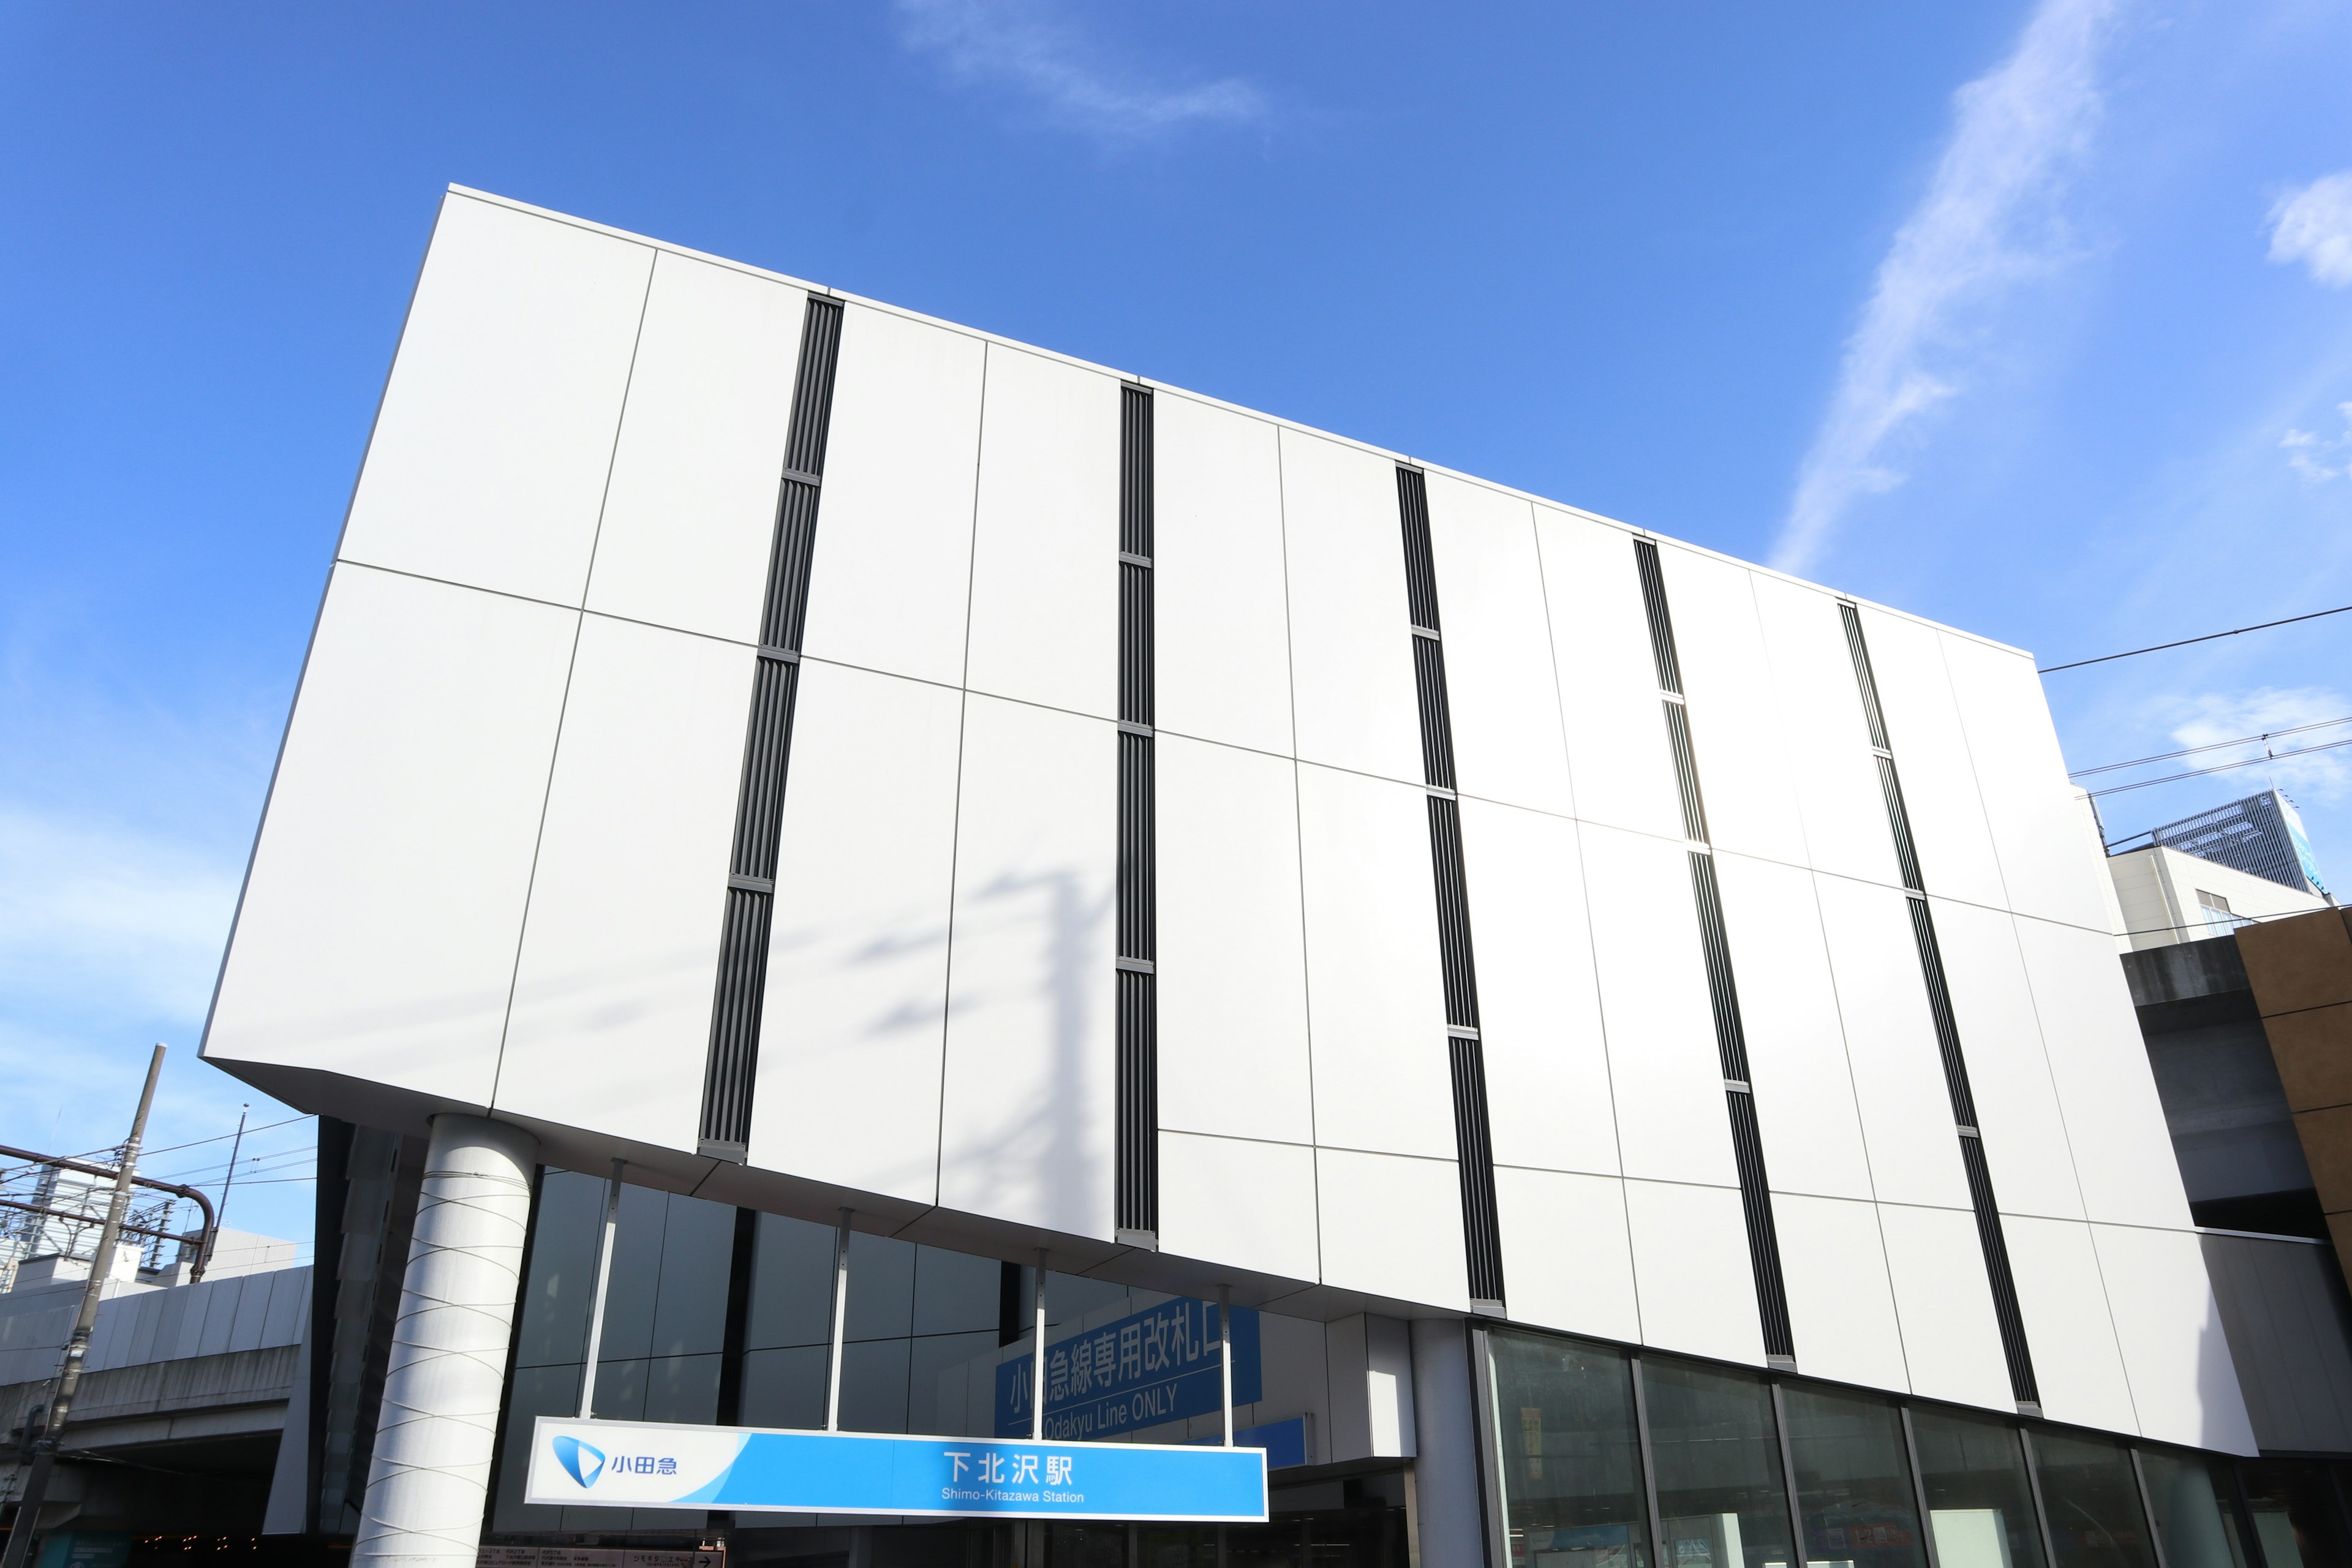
(1990, 219)
(2320, 460)
(1024, 44)
(2314, 226)
(2215, 716)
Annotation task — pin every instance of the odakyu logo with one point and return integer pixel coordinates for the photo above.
(584, 1462)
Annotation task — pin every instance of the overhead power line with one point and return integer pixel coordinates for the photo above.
(2224, 767)
(2184, 642)
(2209, 746)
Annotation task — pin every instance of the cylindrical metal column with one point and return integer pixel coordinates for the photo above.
(430, 1474)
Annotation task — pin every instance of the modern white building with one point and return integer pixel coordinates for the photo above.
(833, 758)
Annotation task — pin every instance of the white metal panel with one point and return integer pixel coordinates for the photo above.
(1898, 1065)
(1547, 1090)
(1951, 1339)
(1392, 1226)
(1220, 610)
(690, 514)
(1931, 752)
(2184, 1381)
(411, 786)
(491, 447)
(1568, 1262)
(1499, 683)
(1691, 1266)
(2077, 1362)
(1841, 1303)
(620, 949)
(1746, 770)
(1617, 748)
(1232, 958)
(2025, 1136)
(1828, 753)
(1376, 1001)
(857, 958)
(1350, 625)
(1028, 1114)
(1045, 559)
(1797, 1063)
(1666, 1073)
(2048, 861)
(2107, 1090)
(890, 582)
(1239, 1203)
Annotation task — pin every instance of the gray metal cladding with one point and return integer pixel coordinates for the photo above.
(1482, 1233)
(1715, 950)
(1137, 1159)
(731, 1071)
(2019, 1354)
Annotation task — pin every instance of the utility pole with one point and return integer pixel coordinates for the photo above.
(44, 1446)
(234, 1150)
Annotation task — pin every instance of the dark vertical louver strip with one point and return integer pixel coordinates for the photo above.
(2022, 1380)
(1678, 737)
(1763, 1237)
(2023, 1386)
(1940, 1006)
(1452, 913)
(1482, 1231)
(1137, 1158)
(1661, 625)
(1722, 992)
(732, 1069)
(1898, 821)
(1482, 1234)
(1722, 988)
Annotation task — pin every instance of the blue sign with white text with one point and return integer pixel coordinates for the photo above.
(1157, 1365)
(643, 1464)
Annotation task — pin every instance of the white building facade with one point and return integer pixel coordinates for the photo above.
(830, 758)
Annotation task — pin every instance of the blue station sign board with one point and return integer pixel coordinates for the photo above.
(645, 1464)
(1157, 1365)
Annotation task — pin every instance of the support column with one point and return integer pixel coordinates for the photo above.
(429, 1478)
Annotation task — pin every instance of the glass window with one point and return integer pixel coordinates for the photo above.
(1853, 1482)
(1571, 1455)
(2196, 1517)
(2295, 1514)
(565, 1228)
(2093, 1502)
(1980, 1502)
(1723, 1499)
(792, 1285)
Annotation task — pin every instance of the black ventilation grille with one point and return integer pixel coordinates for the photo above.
(1722, 989)
(2022, 1380)
(1948, 1030)
(1859, 651)
(1678, 738)
(1482, 1234)
(1940, 1006)
(1662, 626)
(1722, 992)
(1763, 1237)
(1906, 856)
(1452, 913)
(731, 1071)
(1482, 1229)
(1137, 1186)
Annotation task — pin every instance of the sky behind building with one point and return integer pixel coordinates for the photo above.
(2035, 319)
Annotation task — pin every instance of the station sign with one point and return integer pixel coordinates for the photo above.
(645, 1464)
(1146, 1369)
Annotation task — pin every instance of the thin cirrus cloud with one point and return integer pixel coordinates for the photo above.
(2314, 226)
(1022, 45)
(1988, 220)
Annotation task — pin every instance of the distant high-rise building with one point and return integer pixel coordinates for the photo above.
(2261, 834)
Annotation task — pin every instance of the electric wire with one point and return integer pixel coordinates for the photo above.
(2224, 767)
(2184, 642)
(2209, 746)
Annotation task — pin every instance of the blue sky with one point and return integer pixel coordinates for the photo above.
(2035, 318)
